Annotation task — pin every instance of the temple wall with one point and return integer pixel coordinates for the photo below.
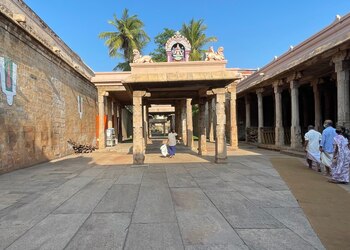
(44, 113)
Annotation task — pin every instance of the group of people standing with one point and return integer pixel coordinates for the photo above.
(330, 149)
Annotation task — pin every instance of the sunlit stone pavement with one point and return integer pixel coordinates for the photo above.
(101, 201)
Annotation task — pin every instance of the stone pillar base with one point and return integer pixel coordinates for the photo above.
(220, 161)
(233, 147)
(138, 159)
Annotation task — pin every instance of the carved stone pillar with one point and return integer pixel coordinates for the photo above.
(202, 139)
(145, 124)
(317, 105)
(233, 116)
(211, 115)
(189, 123)
(109, 113)
(120, 130)
(342, 67)
(173, 122)
(138, 141)
(260, 114)
(247, 100)
(178, 118)
(220, 142)
(279, 130)
(207, 118)
(183, 121)
(115, 115)
(101, 124)
(295, 131)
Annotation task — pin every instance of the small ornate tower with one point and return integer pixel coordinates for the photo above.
(178, 48)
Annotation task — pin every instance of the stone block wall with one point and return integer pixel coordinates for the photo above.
(44, 113)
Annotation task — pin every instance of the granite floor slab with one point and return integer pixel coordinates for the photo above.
(85, 202)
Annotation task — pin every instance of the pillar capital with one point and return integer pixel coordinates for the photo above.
(277, 87)
(260, 91)
(140, 93)
(341, 61)
(315, 82)
(219, 91)
(232, 87)
(297, 75)
(294, 84)
(340, 56)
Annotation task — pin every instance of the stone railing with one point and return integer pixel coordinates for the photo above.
(268, 135)
(252, 134)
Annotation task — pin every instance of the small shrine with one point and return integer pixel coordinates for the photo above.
(178, 48)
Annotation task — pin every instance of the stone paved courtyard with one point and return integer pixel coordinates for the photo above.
(100, 201)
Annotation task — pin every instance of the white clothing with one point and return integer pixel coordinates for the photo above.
(164, 150)
(313, 146)
(313, 137)
(172, 139)
(326, 159)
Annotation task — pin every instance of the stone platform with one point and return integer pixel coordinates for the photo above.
(102, 201)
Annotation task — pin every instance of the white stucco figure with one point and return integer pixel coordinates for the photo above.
(215, 56)
(138, 58)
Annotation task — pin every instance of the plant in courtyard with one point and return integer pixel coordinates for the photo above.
(129, 35)
(195, 33)
(159, 54)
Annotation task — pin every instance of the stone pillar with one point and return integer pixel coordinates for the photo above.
(183, 121)
(233, 117)
(145, 124)
(101, 124)
(342, 67)
(178, 118)
(115, 114)
(279, 130)
(189, 125)
(260, 114)
(202, 138)
(138, 141)
(207, 118)
(295, 131)
(124, 115)
(120, 130)
(220, 142)
(317, 105)
(109, 112)
(247, 100)
(211, 110)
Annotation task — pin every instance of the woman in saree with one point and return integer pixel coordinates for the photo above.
(341, 158)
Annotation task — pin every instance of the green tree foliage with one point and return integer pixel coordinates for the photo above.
(195, 33)
(129, 35)
(159, 54)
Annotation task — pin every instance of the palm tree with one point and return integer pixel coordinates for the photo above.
(129, 35)
(194, 32)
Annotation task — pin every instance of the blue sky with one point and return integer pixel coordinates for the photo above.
(251, 31)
